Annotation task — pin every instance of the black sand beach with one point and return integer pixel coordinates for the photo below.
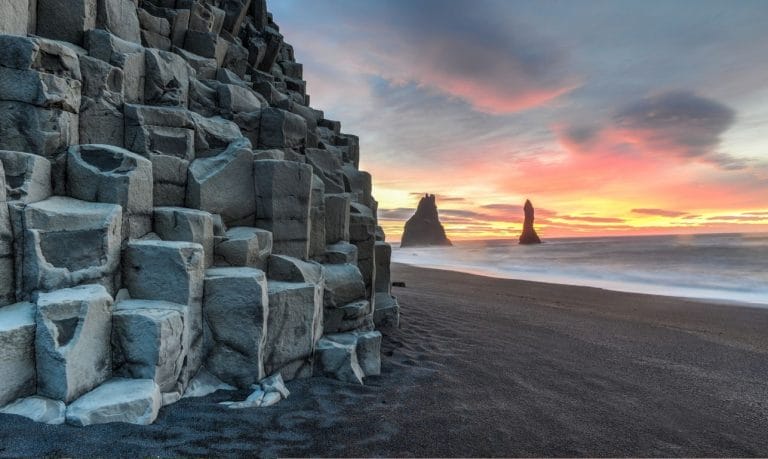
(488, 367)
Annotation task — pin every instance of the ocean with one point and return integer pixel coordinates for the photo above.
(729, 267)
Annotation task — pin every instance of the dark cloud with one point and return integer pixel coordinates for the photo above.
(517, 210)
(679, 120)
(440, 197)
(659, 212)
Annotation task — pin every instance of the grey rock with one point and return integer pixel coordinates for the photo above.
(119, 17)
(33, 53)
(7, 268)
(281, 129)
(148, 341)
(294, 327)
(167, 79)
(127, 56)
(204, 383)
(369, 352)
(103, 173)
(317, 218)
(66, 20)
(343, 285)
(353, 316)
(90, 231)
(289, 269)
(17, 350)
(244, 246)
(182, 224)
(172, 272)
(283, 195)
(40, 89)
(42, 131)
(337, 217)
(38, 409)
(328, 167)
(27, 176)
(236, 308)
(72, 341)
(340, 253)
(275, 383)
(339, 361)
(132, 401)
(383, 252)
(362, 233)
(14, 17)
(387, 311)
(224, 185)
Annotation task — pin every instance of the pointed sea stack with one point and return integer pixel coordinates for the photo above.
(529, 235)
(424, 228)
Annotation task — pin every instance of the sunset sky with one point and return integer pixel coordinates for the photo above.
(613, 117)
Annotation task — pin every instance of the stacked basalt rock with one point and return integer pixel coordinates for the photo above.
(173, 213)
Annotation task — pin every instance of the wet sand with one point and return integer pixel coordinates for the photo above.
(490, 367)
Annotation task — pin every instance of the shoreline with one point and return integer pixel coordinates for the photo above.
(490, 367)
(490, 275)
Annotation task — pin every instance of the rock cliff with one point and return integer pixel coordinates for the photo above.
(424, 227)
(529, 235)
(174, 215)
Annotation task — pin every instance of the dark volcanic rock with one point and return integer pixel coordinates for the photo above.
(529, 235)
(424, 227)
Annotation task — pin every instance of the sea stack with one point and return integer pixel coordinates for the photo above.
(529, 235)
(424, 227)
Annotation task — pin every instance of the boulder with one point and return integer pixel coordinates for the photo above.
(343, 285)
(126, 55)
(15, 17)
(132, 401)
(340, 253)
(223, 184)
(387, 311)
(189, 225)
(7, 269)
(172, 272)
(362, 233)
(338, 361)
(148, 341)
(27, 176)
(167, 79)
(369, 352)
(283, 197)
(383, 256)
(101, 110)
(42, 131)
(294, 325)
(317, 218)
(281, 129)
(235, 307)
(17, 351)
(40, 89)
(34, 53)
(66, 20)
(529, 235)
(204, 383)
(354, 316)
(103, 173)
(89, 232)
(244, 246)
(289, 269)
(337, 217)
(38, 409)
(72, 341)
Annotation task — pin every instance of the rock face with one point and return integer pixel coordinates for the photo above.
(424, 227)
(529, 235)
(175, 218)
